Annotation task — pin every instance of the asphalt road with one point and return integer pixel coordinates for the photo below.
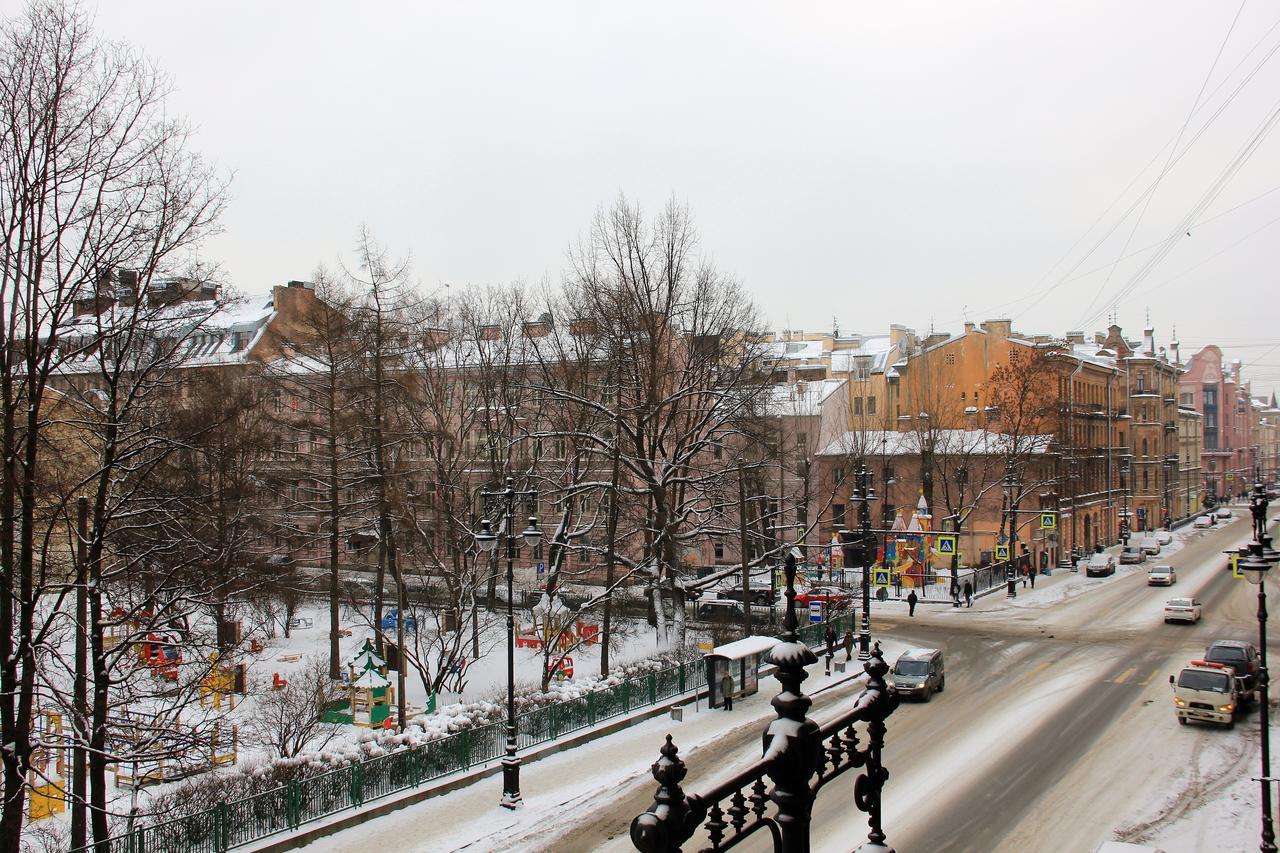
(1053, 718)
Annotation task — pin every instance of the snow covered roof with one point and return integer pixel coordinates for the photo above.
(371, 679)
(1094, 354)
(978, 442)
(800, 399)
(747, 646)
(214, 333)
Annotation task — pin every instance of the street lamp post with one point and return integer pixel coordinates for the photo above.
(962, 479)
(1011, 495)
(1124, 494)
(864, 494)
(487, 539)
(1256, 566)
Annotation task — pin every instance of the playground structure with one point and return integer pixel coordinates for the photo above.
(222, 684)
(370, 696)
(163, 750)
(552, 625)
(160, 651)
(47, 774)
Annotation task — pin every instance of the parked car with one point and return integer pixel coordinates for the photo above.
(919, 672)
(831, 596)
(1241, 656)
(1150, 545)
(760, 595)
(1164, 537)
(1100, 566)
(1183, 610)
(1202, 522)
(1223, 513)
(1132, 555)
(1206, 692)
(1161, 576)
(720, 611)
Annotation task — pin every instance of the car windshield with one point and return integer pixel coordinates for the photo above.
(1179, 602)
(1195, 679)
(1223, 654)
(1159, 570)
(911, 667)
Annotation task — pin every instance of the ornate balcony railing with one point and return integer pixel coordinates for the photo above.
(800, 757)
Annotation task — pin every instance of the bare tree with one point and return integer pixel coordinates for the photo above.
(290, 720)
(93, 176)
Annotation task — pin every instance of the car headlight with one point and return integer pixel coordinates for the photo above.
(1227, 708)
(1179, 702)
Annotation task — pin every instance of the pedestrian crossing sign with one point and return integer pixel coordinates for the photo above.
(1236, 571)
(1048, 521)
(1002, 552)
(946, 544)
(880, 577)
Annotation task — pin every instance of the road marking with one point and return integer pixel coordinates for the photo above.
(1039, 669)
(1124, 676)
(1147, 680)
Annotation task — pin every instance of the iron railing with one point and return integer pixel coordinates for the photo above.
(800, 757)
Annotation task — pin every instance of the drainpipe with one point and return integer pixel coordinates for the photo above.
(1111, 506)
(1071, 423)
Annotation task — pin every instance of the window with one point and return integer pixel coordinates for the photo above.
(857, 405)
(1146, 484)
(950, 358)
(719, 547)
(961, 395)
(802, 441)
(1144, 447)
(837, 474)
(871, 405)
(837, 516)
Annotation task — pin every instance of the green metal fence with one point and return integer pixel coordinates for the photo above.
(289, 806)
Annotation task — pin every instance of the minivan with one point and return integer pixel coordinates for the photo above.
(919, 672)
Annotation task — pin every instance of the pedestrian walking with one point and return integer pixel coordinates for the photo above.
(848, 645)
(912, 598)
(1024, 577)
(830, 637)
(1033, 577)
(726, 690)
(968, 594)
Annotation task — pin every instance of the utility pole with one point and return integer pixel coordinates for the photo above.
(746, 568)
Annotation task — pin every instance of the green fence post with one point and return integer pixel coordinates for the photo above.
(222, 827)
(591, 708)
(681, 668)
(293, 804)
(553, 721)
(355, 783)
(415, 765)
(626, 696)
(464, 749)
(653, 689)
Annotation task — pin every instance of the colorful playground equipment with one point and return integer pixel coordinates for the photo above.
(163, 750)
(546, 629)
(370, 696)
(222, 684)
(47, 774)
(161, 652)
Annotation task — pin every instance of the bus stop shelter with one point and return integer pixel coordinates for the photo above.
(741, 659)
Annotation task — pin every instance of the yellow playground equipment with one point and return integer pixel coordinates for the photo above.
(47, 776)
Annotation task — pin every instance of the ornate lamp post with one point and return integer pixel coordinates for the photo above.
(1011, 500)
(864, 494)
(487, 539)
(1260, 560)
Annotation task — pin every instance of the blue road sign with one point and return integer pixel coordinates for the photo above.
(542, 567)
(815, 611)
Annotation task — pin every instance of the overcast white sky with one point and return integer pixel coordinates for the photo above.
(915, 163)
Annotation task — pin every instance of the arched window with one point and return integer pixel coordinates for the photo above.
(1144, 447)
(1144, 480)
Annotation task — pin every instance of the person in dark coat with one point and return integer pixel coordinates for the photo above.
(830, 637)
(848, 645)
(726, 690)
(912, 598)
(968, 594)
